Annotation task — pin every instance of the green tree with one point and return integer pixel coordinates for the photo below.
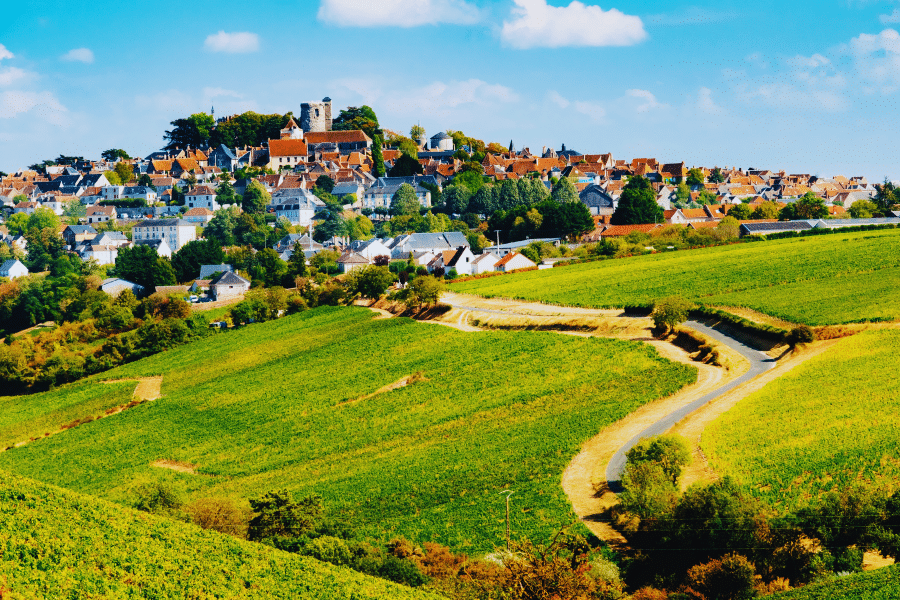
(353, 117)
(404, 201)
(17, 223)
(146, 181)
(369, 282)
(564, 192)
(509, 195)
(297, 262)
(278, 515)
(471, 179)
(248, 129)
(142, 265)
(405, 165)
(378, 169)
(706, 197)
(221, 227)
(741, 212)
(766, 211)
(189, 258)
(695, 177)
(669, 451)
(255, 199)
(886, 196)
(74, 210)
(225, 194)
(424, 290)
(43, 218)
(325, 183)
(456, 199)
(670, 312)
(44, 246)
(810, 206)
(682, 195)
(637, 204)
(114, 153)
(863, 209)
(484, 201)
(193, 131)
(125, 171)
(717, 176)
(416, 132)
(177, 196)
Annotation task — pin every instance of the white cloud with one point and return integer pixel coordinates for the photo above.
(593, 110)
(535, 24)
(647, 100)
(706, 104)
(439, 97)
(11, 75)
(44, 104)
(558, 100)
(894, 17)
(397, 13)
(238, 42)
(692, 15)
(876, 60)
(78, 55)
(4, 53)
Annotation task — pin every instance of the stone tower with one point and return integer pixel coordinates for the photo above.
(316, 116)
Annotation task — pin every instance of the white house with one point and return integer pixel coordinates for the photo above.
(401, 246)
(460, 259)
(228, 285)
(512, 262)
(175, 232)
(202, 196)
(102, 253)
(484, 263)
(101, 214)
(370, 248)
(13, 268)
(199, 216)
(299, 210)
(350, 261)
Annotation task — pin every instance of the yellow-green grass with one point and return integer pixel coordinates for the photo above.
(829, 423)
(55, 543)
(264, 407)
(820, 280)
(883, 584)
(23, 417)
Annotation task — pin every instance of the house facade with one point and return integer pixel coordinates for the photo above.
(228, 285)
(12, 269)
(175, 232)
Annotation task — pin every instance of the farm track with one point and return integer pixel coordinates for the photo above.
(147, 390)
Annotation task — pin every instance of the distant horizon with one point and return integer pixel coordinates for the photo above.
(651, 81)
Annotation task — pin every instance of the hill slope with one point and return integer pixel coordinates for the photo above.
(883, 584)
(830, 422)
(293, 404)
(817, 280)
(58, 544)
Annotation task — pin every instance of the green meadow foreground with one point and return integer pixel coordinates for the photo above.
(817, 280)
(58, 544)
(829, 423)
(882, 584)
(280, 405)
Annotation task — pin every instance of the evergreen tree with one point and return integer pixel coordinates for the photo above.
(564, 192)
(255, 199)
(378, 169)
(405, 201)
(637, 205)
(509, 195)
(456, 199)
(483, 202)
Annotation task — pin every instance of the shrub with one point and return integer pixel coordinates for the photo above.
(669, 451)
(157, 498)
(401, 570)
(731, 577)
(800, 335)
(220, 514)
(670, 312)
(331, 550)
(277, 515)
(424, 290)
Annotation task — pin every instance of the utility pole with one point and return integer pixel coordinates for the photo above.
(497, 231)
(508, 494)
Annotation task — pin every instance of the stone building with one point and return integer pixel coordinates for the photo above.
(316, 116)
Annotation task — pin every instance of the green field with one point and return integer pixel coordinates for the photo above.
(830, 422)
(883, 584)
(818, 280)
(58, 544)
(264, 407)
(23, 417)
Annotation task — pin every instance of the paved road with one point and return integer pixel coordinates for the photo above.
(759, 363)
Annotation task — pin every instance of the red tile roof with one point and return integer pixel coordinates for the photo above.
(287, 148)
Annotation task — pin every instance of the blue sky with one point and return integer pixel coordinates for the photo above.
(810, 87)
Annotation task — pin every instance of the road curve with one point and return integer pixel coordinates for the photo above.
(759, 363)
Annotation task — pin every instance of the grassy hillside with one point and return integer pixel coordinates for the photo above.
(274, 406)
(829, 422)
(815, 280)
(58, 544)
(883, 584)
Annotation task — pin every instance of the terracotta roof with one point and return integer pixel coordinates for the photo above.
(694, 213)
(201, 190)
(337, 137)
(622, 230)
(288, 148)
(199, 212)
(506, 259)
(161, 165)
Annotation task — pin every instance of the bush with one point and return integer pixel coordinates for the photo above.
(157, 498)
(800, 335)
(331, 550)
(670, 312)
(669, 451)
(401, 570)
(731, 577)
(220, 514)
(423, 290)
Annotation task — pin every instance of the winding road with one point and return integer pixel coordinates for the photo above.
(759, 363)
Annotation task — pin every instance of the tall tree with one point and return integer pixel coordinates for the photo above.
(637, 204)
(190, 257)
(325, 183)
(416, 132)
(696, 177)
(564, 192)
(255, 199)
(717, 176)
(225, 194)
(509, 195)
(125, 171)
(193, 131)
(886, 196)
(378, 169)
(405, 201)
(456, 199)
(809, 206)
(484, 202)
(114, 153)
(353, 117)
(405, 166)
(142, 265)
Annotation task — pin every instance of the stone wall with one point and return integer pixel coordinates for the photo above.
(316, 116)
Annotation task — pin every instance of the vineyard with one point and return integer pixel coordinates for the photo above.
(58, 544)
(295, 404)
(881, 584)
(816, 280)
(829, 423)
